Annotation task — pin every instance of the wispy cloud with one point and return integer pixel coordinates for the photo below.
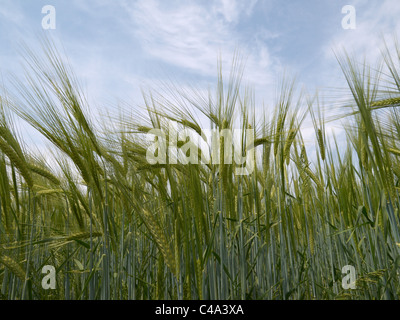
(10, 13)
(191, 35)
(231, 10)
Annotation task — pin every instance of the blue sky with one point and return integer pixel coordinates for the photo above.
(116, 47)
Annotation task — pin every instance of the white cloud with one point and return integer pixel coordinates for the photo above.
(188, 35)
(232, 9)
(193, 35)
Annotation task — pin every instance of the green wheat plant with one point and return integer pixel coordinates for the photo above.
(115, 226)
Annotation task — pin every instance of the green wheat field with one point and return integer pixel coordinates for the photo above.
(116, 227)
